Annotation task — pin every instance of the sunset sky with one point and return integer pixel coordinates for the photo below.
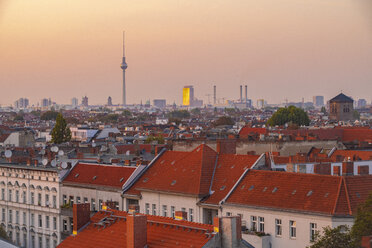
(279, 48)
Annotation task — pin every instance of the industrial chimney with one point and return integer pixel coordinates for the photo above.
(246, 95)
(241, 93)
(214, 94)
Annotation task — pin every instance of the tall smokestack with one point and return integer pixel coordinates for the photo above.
(241, 93)
(246, 95)
(214, 94)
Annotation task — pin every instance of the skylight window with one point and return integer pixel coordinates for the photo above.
(173, 182)
(243, 186)
(232, 167)
(174, 161)
(326, 195)
(252, 187)
(294, 192)
(357, 194)
(145, 180)
(122, 179)
(264, 189)
(274, 190)
(309, 193)
(77, 174)
(95, 177)
(223, 187)
(162, 162)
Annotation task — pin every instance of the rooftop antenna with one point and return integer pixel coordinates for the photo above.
(123, 43)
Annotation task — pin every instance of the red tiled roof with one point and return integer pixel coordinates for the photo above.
(280, 160)
(161, 232)
(245, 131)
(4, 137)
(354, 155)
(105, 175)
(182, 172)
(358, 134)
(301, 192)
(229, 169)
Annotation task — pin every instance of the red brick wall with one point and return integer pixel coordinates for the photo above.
(363, 170)
(81, 215)
(226, 146)
(136, 231)
(323, 169)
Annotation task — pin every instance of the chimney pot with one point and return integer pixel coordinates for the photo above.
(81, 216)
(136, 231)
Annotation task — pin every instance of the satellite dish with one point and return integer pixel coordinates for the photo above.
(94, 144)
(60, 153)
(43, 152)
(64, 165)
(44, 161)
(54, 149)
(54, 163)
(8, 153)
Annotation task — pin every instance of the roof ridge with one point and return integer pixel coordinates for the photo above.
(338, 196)
(347, 195)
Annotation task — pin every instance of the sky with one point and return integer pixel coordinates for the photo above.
(281, 49)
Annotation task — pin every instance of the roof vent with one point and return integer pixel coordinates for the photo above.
(309, 193)
(173, 182)
(252, 187)
(122, 179)
(95, 177)
(174, 161)
(294, 192)
(243, 186)
(232, 167)
(326, 195)
(162, 162)
(77, 174)
(223, 187)
(145, 180)
(264, 189)
(357, 194)
(274, 190)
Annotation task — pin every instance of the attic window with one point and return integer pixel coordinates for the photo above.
(294, 192)
(252, 187)
(145, 180)
(173, 182)
(274, 190)
(94, 178)
(326, 194)
(122, 179)
(223, 187)
(264, 189)
(77, 174)
(309, 193)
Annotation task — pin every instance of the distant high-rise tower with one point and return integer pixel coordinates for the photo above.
(124, 66)
(109, 101)
(84, 101)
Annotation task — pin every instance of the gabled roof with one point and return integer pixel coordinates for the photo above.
(341, 98)
(179, 172)
(309, 193)
(99, 175)
(229, 169)
(352, 154)
(161, 232)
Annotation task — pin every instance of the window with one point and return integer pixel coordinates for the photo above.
(55, 223)
(147, 208)
(32, 196)
(173, 211)
(64, 199)
(292, 229)
(33, 241)
(191, 214)
(10, 195)
(254, 223)
(54, 201)
(24, 239)
(165, 210)
(228, 214)
(47, 200)
(3, 194)
(313, 231)
(54, 241)
(40, 221)
(3, 214)
(18, 239)
(86, 200)
(47, 224)
(24, 195)
(71, 200)
(17, 217)
(10, 217)
(39, 199)
(278, 227)
(24, 218)
(100, 204)
(65, 225)
(17, 196)
(40, 241)
(47, 242)
(78, 199)
(183, 209)
(153, 209)
(32, 219)
(261, 224)
(93, 203)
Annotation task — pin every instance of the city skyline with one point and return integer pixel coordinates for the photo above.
(172, 44)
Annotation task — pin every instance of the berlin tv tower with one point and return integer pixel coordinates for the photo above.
(124, 66)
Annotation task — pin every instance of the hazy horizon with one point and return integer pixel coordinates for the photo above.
(282, 49)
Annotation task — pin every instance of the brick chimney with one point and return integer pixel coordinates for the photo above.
(226, 146)
(136, 231)
(336, 171)
(180, 215)
(348, 168)
(81, 216)
(230, 229)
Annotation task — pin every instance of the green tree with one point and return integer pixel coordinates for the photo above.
(61, 132)
(3, 234)
(323, 110)
(338, 237)
(49, 115)
(179, 114)
(126, 113)
(363, 220)
(195, 111)
(291, 114)
(223, 120)
(356, 115)
(151, 138)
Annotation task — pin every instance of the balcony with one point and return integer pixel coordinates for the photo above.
(257, 239)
